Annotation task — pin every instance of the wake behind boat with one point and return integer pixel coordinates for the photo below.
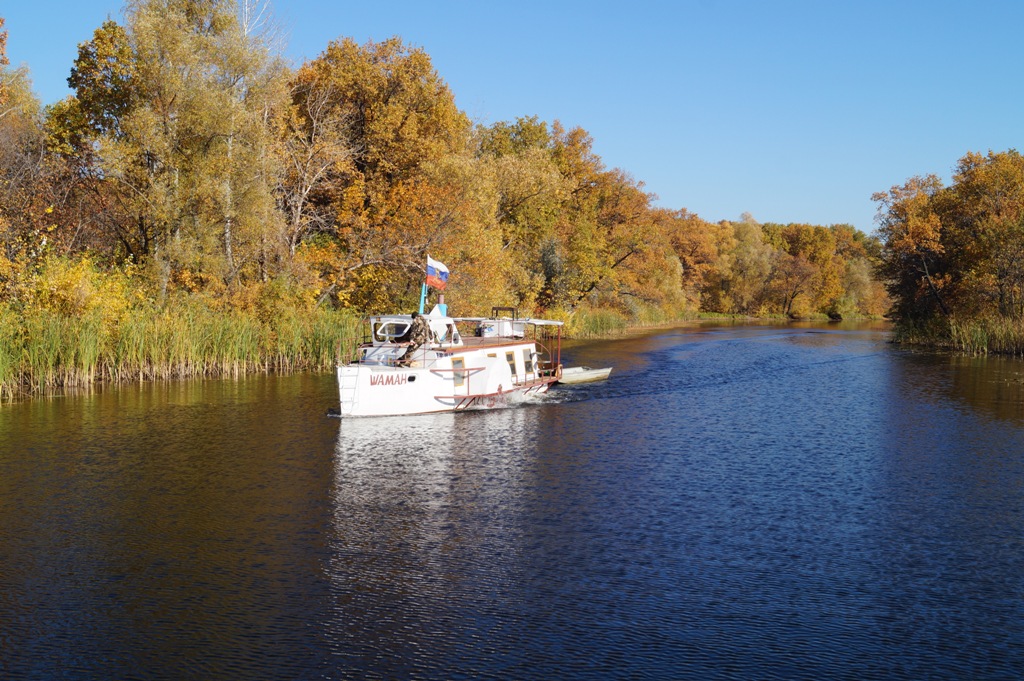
(403, 369)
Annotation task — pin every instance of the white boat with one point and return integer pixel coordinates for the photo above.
(492, 362)
(584, 374)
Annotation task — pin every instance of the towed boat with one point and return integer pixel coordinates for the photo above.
(584, 374)
(487, 363)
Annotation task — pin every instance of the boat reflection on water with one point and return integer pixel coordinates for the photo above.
(421, 505)
(431, 460)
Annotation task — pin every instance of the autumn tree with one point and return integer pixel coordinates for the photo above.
(4, 63)
(577, 234)
(745, 269)
(600, 230)
(190, 150)
(695, 244)
(318, 152)
(396, 201)
(171, 123)
(609, 246)
(954, 253)
(811, 251)
(531, 193)
(29, 190)
(983, 215)
(914, 262)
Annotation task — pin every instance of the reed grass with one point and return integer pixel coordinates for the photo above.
(11, 356)
(43, 350)
(926, 333)
(592, 323)
(984, 335)
(971, 335)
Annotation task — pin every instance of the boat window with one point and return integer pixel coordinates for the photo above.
(460, 376)
(528, 360)
(391, 331)
(510, 357)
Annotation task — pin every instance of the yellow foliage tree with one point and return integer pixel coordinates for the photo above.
(394, 204)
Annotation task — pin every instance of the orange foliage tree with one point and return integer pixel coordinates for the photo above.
(393, 203)
(957, 250)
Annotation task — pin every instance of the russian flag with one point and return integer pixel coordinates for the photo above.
(437, 274)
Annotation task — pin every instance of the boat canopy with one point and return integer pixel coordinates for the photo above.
(524, 320)
(396, 329)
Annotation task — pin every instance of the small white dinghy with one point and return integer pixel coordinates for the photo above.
(583, 374)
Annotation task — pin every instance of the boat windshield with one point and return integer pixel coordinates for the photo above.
(390, 330)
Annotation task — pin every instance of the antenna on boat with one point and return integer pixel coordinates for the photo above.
(440, 302)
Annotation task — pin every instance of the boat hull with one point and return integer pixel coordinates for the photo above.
(486, 378)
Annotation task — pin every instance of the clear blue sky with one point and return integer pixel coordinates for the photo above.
(793, 111)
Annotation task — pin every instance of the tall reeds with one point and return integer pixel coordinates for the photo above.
(978, 336)
(42, 350)
(588, 322)
(592, 323)
(972, 335)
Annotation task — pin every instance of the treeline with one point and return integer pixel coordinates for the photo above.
(193, 169)
(953, 257)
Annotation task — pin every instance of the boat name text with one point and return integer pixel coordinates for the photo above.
(389, 379)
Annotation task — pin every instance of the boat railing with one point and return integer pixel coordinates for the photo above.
(549, 365)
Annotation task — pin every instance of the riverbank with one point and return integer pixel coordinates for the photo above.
(43, 351)
(594, 325)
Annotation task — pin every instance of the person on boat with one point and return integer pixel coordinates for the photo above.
(419, 333)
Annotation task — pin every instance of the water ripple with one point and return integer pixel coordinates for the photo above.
(733, 504)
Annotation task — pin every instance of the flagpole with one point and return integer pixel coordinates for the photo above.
(423, 297)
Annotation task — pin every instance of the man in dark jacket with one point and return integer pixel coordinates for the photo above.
(419, 334)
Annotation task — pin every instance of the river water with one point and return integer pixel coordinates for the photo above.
(737, 502)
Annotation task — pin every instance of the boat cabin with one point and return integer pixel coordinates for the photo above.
(389, 334)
